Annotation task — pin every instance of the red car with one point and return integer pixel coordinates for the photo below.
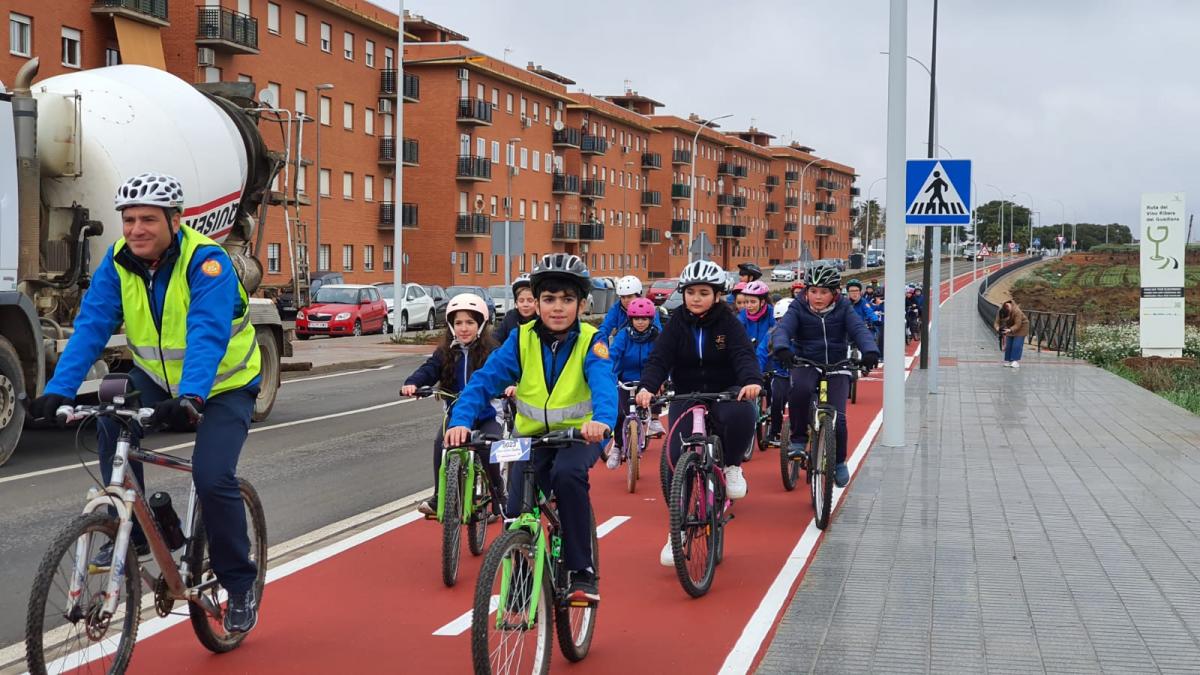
(343, 309)
(661, 289)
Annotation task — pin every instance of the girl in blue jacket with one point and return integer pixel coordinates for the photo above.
(758, 318)
(463, 349)
(629, 352)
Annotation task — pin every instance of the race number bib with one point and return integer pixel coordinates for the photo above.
(510, 450)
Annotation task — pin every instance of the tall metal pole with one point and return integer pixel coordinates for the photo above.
(624, 224)
(398, 184)
(800, 225)
(867, 245)
(893, 334)
(937, 231)
(320, 123)
(692, 195)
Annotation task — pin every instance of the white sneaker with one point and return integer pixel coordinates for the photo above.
(656, 427)
(735, 483)
(1016, 364)
(666, 558)
(614, 458)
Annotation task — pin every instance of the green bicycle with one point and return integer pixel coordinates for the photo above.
(523, 580)
(464, 497)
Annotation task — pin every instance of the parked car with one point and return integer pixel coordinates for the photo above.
(784, 272)
(416, 306)
(913, 256)
(874, 259)
(502, 297)
(839, 263)
(661, 289)
(481, 292)
(673, 301)
(343, 309)
(285, 302)
(440, 300)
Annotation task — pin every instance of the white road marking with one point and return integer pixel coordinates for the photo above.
(462, 623)
(348, 372)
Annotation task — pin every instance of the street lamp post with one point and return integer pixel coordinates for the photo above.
(800, 225)
(692, 194)
(1062, 224)
(625, 225)
(1030, 221)
(320, 122)
(1001, 217)
(867, 231)
(512, 169)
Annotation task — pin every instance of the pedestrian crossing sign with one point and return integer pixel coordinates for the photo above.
(938, 192)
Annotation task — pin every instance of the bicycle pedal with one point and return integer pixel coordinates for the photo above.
(430, 516)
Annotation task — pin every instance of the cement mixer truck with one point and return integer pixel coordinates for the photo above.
(66, 143)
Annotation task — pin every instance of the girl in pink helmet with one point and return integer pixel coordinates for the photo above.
(463, 348)
(757, 317)
(629, 352)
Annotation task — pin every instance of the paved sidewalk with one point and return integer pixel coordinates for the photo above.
(1039, 520)
(326, 354)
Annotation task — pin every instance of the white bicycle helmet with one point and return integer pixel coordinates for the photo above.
(629, 285)
(150, 189)
(781, 307)
(702, 272)
(469, 302)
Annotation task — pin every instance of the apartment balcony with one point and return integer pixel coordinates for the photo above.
(387, 215)
(564, 184)
(823, 184)
(152, 12)
(566, 138)
(731, 231)
(824, 230)
(593, 188)
(736, 201)
(772, 182)
(408, 215)
(471, 167)
(473, 225)
(565, 231)
(387, 85)
(226, 31)
(387, 150)
(681, 157)
(651, 236)
(725, 169)
(591, 232)
(772, 235)
(410, 152)
(740, 171)
(474, 111)
(679, 227)
(593, 145)
(791, 202)
(772, 207)
(681, 191)
(826, 207)
(854, 192)
(791, 227)
(651, 198)
(791, 176)
(651, 160)
(854, 212)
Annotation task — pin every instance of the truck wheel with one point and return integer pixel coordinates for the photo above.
(12, 413)
(268, 348)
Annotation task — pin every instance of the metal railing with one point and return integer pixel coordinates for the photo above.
(154, 8)
(225, 24)
(1053, 331)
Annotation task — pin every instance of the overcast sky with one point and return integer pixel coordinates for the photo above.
(1090, 102)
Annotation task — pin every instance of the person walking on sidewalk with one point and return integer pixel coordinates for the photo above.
(1013, 327)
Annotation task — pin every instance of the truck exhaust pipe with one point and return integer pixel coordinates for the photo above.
(29, 195)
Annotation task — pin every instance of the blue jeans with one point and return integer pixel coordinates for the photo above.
(781, 387)
(219, 440)
(563, 471)
(1013, 346)
(804, 389)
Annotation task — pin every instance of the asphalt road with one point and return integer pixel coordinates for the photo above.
(308, 474)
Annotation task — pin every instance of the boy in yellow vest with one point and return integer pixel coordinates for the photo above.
(187, 323)
(564, 380)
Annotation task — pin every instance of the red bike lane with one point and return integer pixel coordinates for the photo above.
(379, 605)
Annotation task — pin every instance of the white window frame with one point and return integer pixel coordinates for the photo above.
(273, 18)
(368, 258)
(347, 115)
(348, 257)
(274, 263)
(369, 121)
(369, 53)
(347, 185)
(14, 20)
(301, 28)
(325, 177)
(495, 152)
(388, 265)
(69, 36)
(326, 38)
(368, 188)
(300, 101)
(348, 45)
(323, 255)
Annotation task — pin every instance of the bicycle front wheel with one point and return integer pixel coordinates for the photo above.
(823, 449)
(575, 625)
(517, 638)
(761, 435)
(789, 467)
(664, 468)
(209, 629)
(633, 449)
(451, 519)
(62, 634)
(480, 508)
(693, 525)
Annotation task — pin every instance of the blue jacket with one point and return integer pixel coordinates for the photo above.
(629, 352)
(430, 374)
(616, 319)
(215, 302)
(503, 368)
(824, 338)
(759, 333)
(865, 312)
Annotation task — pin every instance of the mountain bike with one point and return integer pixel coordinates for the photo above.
(822, 439)
(464, 497)
(634, 434)
(698, 504)
(523, 579)
(81, 613)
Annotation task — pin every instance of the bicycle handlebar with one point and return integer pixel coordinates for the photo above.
(426, 392)
(67, 414)
(826, 367)
(480, 440)
(698, 397)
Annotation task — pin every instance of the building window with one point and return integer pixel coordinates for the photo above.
(369, 258)
(242, 77)
(347, 256)
(348, 116)
(495, 263)
(369, 188)
(389, 58)
(369, 53)
(508, 103)
(326, 105)
(323, 254)
(524, 158)
(273, 18)
(212, 74)
(493, 211)
(495, 98)
(347, 185)
(462, 262)
(348, 45)
(112, 56)
(324, 186)
(369, 121)
(387, 258)
(547, 163)
(70, 47)
(479, 263)
(509, 154)
(537, 161)
(300, 179)
(326, 37)
(495, 152)
(301, 101)
(273, 258)
(272, 87)
(301, 28)
(20, 34)
(536, 111)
